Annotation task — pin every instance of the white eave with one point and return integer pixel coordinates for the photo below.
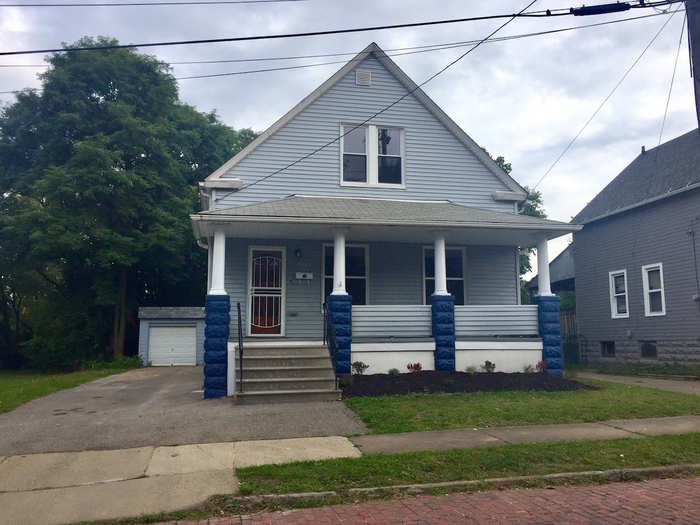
(227, 184)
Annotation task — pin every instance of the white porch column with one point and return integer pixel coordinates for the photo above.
(440, 266)
(339, 263)
(218, 264)
(543, 286)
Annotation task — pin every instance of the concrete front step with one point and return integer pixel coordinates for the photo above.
(287, 396)
(292, 383)
(274, 372)
(275, 360)
(254, 351)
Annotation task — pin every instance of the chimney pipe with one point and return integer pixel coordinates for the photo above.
(644, 150)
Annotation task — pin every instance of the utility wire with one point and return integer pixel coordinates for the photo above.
(537, 14)
(609, 95)
(141, 4)
(425, 48)
(386, 108)
(673, 78)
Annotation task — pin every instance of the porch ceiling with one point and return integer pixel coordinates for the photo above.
(300, 217)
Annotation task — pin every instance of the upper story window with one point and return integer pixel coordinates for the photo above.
(372, 156)
(653, 282)
(619, 305)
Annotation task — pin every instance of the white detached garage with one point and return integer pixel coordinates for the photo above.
(171, 336)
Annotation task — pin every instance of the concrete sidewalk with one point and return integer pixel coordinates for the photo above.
(671, 385)
(481, 437)
(70, 487)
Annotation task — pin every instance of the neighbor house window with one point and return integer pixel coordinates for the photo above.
(653, 282)
(356, 272)
(607, 348)
(454, 260)
(648, 349)
(619, 305)
(355, 154)
(372, 156)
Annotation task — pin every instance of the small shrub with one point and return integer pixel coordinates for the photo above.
(393, 372)
(529, 369)
(542, 366)
(358, 367)
(471, 370)
(414, 367)
(488, 367)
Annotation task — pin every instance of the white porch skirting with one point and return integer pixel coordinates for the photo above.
(509, 356)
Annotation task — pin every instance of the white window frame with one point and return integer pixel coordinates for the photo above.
(372, 154)
(323, 268)
(614, 314)
(463, 249)
(645, 283)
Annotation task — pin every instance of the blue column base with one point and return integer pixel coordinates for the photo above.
(550, 331)
(340, 312)
(217, 317)
(443, 317)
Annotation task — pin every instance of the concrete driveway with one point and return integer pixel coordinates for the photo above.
(155, 407)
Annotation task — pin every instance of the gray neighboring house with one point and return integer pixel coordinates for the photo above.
(637, 267)
(386, 217)
(562, 275)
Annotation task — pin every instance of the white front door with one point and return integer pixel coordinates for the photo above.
(266, 303)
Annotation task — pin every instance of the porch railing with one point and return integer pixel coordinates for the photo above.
(496, 320)
(329, 339)
(380, 321)
(240, 349)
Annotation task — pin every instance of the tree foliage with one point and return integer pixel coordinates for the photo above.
(98, 176)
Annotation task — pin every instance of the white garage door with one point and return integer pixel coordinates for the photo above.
(172, 345)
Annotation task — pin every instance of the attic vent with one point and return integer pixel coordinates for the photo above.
(363, 78)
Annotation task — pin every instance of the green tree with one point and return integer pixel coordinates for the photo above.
(100, 172)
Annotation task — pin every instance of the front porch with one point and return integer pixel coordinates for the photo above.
(443, 293)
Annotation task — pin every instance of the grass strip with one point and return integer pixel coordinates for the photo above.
(414, 413)
(17, 388)
(469, 464)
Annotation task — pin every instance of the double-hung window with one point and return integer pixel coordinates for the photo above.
(372, 156)
(619, 304)
(454, 261)
(356, 271)
(653, 282)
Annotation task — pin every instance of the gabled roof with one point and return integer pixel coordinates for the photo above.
(661, 172)
(343, 210)
(374, 50)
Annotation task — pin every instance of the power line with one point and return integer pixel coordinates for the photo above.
(673, 78)
(619, 82)
(141, 4)
(537, 14)
(426, 47)
(386, 108)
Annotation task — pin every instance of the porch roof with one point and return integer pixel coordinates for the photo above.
(360, 213)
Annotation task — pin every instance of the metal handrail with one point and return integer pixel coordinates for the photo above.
(240, 348)
(329, 339)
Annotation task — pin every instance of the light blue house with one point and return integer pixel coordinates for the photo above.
(390, 214)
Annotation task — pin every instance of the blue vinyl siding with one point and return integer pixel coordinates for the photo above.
(437, 164)
(395, 278)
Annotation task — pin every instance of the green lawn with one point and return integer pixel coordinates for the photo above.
(413, 413)
(469, 464)
(17, 388)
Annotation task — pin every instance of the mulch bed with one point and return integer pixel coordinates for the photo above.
(430, 382)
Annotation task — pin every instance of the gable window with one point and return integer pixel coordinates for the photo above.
(356, 272)
(355, 154)
(454, 260)
(653, 282)
(619, 305)
(372, 156)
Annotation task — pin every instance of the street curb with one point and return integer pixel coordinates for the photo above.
(606, 475)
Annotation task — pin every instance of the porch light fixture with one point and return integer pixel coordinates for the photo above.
(297, 253)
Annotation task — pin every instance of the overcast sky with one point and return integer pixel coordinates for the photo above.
(523, 99)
